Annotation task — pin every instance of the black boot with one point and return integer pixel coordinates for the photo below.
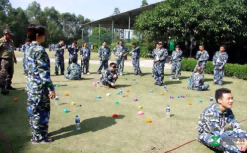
(4, 91)
(9, 87)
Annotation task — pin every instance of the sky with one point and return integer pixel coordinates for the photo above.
(92, 9)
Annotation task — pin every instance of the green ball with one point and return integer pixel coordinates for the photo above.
(118, 93)
(65, 111)
(57, 85)
(117, 102)
(200, 100)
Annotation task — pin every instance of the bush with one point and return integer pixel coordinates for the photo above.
(231, 70)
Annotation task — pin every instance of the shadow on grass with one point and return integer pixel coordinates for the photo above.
(205, 80)
(172, 82)
(227, 82)
(184, 78)
(88, 125)
(122, 85)
(14, 121)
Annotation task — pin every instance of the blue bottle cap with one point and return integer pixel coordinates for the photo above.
(76, 116)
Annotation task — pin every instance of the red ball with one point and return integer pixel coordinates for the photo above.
(115, 115)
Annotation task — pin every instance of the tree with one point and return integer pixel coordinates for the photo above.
(144, 3)
(116, 11)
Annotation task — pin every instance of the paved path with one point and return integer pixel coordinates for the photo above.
(143, 63)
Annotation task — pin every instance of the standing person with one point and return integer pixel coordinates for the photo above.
(211, 126)
(160, 54)
(73, 51)
(39, 85)
(135, 59)
(104, 54)
(176, 62)
(24, 49)
(202, 58)
(219, 61)
(85, 57)
(59, 55)
(7, 58)
(49, 47)
(120, 52)
(156, 46)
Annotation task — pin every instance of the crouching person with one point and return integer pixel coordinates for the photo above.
(197, 80)
(211, 126)
(74, 70)
(109, 77)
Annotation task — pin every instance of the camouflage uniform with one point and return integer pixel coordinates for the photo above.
(220, 60)
(202, 59)
(59, 55)
(159, 66)
(197, 82)
(38, 86)
(6, 60)
(85, 52)
(176, 63)
(73, 52)
(24, 49)
(104, 54)
(212, 122)
(107, 77)
(120, 51)
(136, 60)
(73, 72)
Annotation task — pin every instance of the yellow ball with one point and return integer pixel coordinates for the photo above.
(139, 107)
(73, 103)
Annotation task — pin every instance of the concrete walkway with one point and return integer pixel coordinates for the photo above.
(143, 63)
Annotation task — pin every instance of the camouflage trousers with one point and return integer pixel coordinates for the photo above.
(176, 65)
(159, 72)
(24, 63)
(103, 63)
(202, 65)
(85, 65)
(38, 108)
(224, 144)
(120, 65)
(153, 70)
(71, 77)
(136, 65)
(59, 63)
(6, 71)
(218, 75)
(200, 88)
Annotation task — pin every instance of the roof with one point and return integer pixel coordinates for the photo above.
(121, 21)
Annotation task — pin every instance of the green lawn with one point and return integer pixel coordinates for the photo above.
(127, 134)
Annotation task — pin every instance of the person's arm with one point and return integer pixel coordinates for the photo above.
(164, 55)
(23, 48)
(198, 54)
(127, 51)
(14, 57)
(224, 61)
(207, 57)
(44, 69)
(99, 53)
(173, 54)
(109, 53)
(215, 58)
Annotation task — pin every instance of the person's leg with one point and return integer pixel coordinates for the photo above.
(118, 65)
(3, 83)
(105, 64)
(100, 67)
(221, 74)
(216, 76)
(139, 72)
(161, 73)
(56, 66)
(10, 73)
(87, 66)
(121, 66)
(62, 66)
(178, 69)
(205, 87)
(134, 66)
(173, 70)
(156, 74)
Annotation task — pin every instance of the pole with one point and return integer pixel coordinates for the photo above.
(112, 31)
(129, 29)
(99, 32)
(82, 34)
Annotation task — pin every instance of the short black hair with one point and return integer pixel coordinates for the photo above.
(105, 41)
(134, 44)
(74, 42)
(202, 46)
(112, 64)
(74, 59)
(61, 39)
(33, 30)
(178, 46)
(224, 46)
(219, 93)
(27, 40)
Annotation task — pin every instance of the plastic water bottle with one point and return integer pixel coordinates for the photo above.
(77, 123)
(168, 110)
(121, 92)
(56, 100)
(211, 99)
(98, 85)
(165, 88)
(134, 80)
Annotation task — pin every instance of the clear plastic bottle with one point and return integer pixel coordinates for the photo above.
(165, 89)
(56, 100)
(77, 123)
(211, 99)
(98, 84)
(134, 80)
(121, 92)
(168, 111)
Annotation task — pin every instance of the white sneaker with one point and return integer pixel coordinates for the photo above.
(171, 78)
(88, 73)
(178, 79)
(121, 74)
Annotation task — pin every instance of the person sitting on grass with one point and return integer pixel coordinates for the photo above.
(109, 77)
(74, 70)
(197, 80)
(211, 126)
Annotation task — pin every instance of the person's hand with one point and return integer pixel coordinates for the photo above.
(112, 84)
(149, 54)
(220, 68)
(81, 59)
(52, 94)
(15, 61)
(124, 55)
(114, 76)
(156, 60)
(63, 47)
(213, 63)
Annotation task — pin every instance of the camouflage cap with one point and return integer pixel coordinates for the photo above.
(7, 31)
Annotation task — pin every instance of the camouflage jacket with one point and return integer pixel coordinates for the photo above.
(6, 48)
(85, 52)
(220, 59)
(74, 71)
(108, 76)
(136, 53)
(202, 56)
(120, 51)
(38, 65)
(24, 50)
(104, 53)
(176, 56)
(196, 80)
(73, 52)
(59, 51)
(160, 55)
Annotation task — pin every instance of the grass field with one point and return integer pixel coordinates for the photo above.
(129, 133)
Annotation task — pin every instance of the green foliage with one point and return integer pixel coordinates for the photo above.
(144, 3)
(231, 70)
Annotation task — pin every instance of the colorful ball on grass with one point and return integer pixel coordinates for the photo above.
(15, 99)
(151, 91)
(139, 107)
(65, 111)
(171, 97)
(140, 113)
(98, 97)
(114, 115)
(66, 94)
(200, 100)
(148, 120)
(94, 84)
(162, 94)
(117, 102)
(135, 99)
(108, 94)
(73, 103)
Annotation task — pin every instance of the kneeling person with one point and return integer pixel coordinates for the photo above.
(197, 80)
(109, 77)
(74, 70)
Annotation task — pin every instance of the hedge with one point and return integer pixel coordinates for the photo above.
(231, 70)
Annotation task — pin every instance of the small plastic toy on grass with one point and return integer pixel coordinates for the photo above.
(183, 96)
(98, 97)
(65, 111)
(148, 120)
(139, 107)
(189, 80)
(171, 97)
(177, 96)
(15, 99)
(127, 91)
(114, 115)
(140, 113)
(94, 84)
(117, 102)
(151, 91)
(200, 100)
(73, 103)
(57, 85)
(126, 79)
(66, 94)
(108, 94)
(135, 99)
(118, 93)
(189, 103)
(78, 105)
(162, 94)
